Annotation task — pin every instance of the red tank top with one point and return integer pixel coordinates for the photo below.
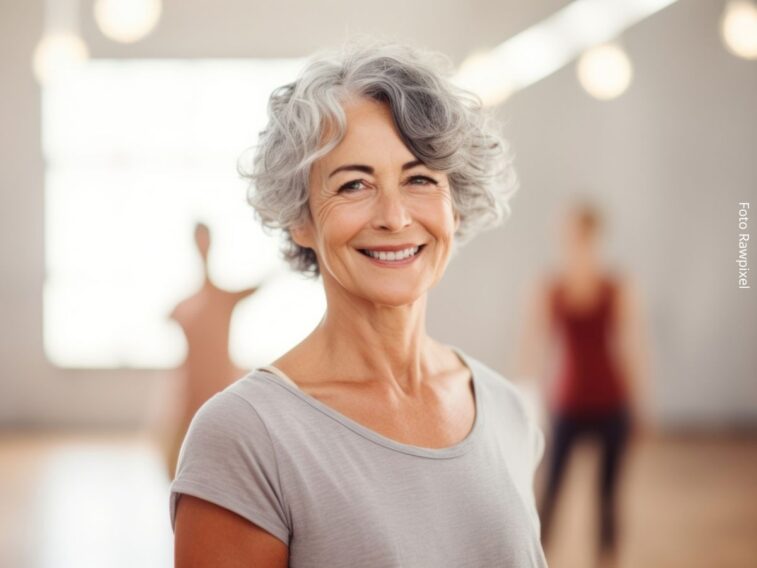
(588, 380)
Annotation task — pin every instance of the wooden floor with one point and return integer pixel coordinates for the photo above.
(688, 501)
(89, 500)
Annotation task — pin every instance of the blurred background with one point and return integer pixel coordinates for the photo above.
(122, 126)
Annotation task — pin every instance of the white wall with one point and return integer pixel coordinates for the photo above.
(673, 157)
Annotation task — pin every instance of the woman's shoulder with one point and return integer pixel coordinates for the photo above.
(228, 458)
(231, 425)
(229, 411)
(246, 401)
(514, 412)
(501, 390)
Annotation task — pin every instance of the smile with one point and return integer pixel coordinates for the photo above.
(393, 258)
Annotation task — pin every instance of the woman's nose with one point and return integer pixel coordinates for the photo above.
(391, 211)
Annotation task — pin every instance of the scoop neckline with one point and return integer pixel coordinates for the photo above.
(448, 452)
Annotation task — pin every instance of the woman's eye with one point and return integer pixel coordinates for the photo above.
(350, 185)
(427, 179)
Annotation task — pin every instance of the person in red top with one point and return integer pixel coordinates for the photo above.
(592, 314)
(590, 381)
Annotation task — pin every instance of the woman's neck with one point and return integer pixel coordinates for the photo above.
(360, 341)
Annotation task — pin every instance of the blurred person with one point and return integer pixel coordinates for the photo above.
(205, 318)
(369, 443)
(593, 312)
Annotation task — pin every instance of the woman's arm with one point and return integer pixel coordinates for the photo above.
(209, 536)
(534, 332)
(633, 352)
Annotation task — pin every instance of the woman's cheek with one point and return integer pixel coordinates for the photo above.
(438, 212)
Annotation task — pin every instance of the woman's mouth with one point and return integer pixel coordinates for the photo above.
(393, 258)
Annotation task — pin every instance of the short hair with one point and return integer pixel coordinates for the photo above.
(444, 126)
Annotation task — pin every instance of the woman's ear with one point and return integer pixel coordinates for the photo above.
(302, 233)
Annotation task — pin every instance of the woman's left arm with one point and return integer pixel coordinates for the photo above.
(534, 334)
(633, 352)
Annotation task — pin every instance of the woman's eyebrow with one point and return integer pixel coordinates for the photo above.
(369, 169)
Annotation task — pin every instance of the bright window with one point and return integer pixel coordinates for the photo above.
(136, 152)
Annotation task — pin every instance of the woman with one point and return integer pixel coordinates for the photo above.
(599, 388)
(369, 443)
(204, 318)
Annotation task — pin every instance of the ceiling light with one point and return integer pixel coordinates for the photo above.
(57, 55)
(604, 71)
(738, 26)
(127, 21)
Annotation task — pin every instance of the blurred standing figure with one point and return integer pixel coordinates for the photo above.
(600, 384)
(205, 318)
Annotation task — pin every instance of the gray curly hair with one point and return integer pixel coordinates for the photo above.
(444, 126)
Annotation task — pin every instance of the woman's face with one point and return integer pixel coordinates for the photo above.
(371, 193)
(574, 238)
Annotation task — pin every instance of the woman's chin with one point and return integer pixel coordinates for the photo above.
(393, 298)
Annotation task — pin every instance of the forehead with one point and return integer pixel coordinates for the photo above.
(364, 108)
(371, 134)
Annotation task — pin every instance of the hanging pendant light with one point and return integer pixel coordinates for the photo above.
(61, 50)
(604, 71)
(738, 27)
(127, 21)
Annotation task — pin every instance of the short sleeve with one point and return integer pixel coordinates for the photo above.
(529, 402)
(536, 435)
(533, 445)
(538, 444)
(227, 458)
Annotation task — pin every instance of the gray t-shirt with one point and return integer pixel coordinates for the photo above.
(342, 495)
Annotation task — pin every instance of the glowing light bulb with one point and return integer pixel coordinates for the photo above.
(738, 26)
(604, 71)
(127, 21)
(57, 55)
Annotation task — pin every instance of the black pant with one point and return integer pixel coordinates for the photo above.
(611, 430)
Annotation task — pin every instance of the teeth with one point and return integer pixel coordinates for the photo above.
(393, 255)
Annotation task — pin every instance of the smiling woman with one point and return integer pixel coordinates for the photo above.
(369, 443)
(387, 209)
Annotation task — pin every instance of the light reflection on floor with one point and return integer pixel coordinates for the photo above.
(87, 502)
